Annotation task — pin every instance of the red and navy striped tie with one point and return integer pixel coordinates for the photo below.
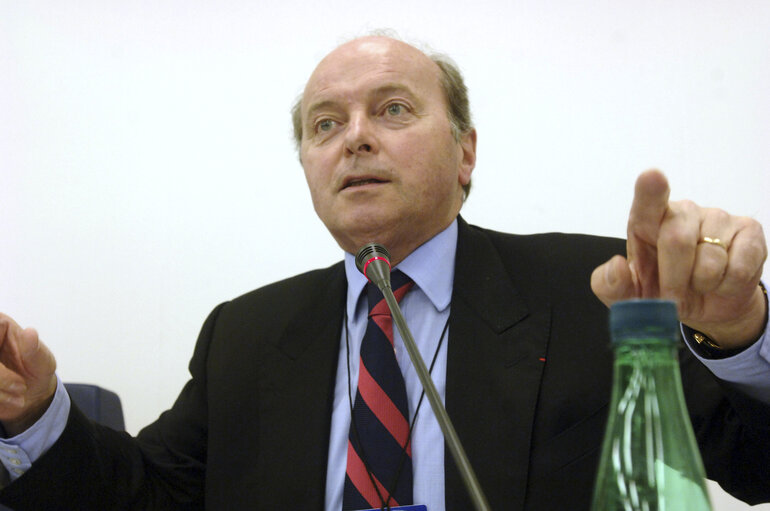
(379, 468)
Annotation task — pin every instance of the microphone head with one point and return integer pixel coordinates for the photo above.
(373, 260)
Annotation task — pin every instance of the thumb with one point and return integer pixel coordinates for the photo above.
(613, 281)
(36, 359)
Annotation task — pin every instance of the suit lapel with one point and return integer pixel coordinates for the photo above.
(319, 318)
(497, 344)
(310, 344)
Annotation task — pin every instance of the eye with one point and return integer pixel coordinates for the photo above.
(395, 109)
(325, 125)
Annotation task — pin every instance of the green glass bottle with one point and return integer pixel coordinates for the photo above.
(650, 460)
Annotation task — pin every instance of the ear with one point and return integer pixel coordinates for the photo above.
(467, 146)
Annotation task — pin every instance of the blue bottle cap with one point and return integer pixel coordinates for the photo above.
(644, 319)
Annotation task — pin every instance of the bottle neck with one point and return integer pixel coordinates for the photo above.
(648, 363)
(644, 349)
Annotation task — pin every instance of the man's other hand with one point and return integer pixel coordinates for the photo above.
(27, 376)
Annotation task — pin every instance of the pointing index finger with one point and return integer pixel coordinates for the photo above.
(648, 210)
(649, 206)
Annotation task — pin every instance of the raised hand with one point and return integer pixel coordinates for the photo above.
(706, 260)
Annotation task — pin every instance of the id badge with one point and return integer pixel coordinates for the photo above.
(420, 507)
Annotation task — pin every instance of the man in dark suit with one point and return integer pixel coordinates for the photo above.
(525, 371)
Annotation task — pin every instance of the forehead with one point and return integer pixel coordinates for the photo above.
(369, 64)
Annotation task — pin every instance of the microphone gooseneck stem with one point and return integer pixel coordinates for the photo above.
(450, 435)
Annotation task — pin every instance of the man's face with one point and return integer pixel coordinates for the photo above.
(377, 147)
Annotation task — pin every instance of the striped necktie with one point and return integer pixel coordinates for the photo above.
(379, 467)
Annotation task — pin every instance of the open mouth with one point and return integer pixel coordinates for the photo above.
(362, 182)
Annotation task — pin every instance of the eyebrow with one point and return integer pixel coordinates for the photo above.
(320, 105)
(392, 88)
(383, 90)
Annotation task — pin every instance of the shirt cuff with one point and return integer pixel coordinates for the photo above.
(748, 370)
(18, 453)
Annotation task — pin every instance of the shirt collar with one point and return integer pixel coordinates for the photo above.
(431, 266)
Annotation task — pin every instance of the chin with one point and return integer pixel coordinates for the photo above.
(352, 235)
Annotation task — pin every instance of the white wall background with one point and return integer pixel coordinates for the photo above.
(147, 171)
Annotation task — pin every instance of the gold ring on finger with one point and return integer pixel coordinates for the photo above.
(713, 241)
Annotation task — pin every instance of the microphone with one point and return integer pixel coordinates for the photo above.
(373, 260)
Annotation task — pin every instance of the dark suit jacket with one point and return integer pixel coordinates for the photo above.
(528, 381)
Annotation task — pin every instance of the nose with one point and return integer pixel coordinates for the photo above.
(360, 137)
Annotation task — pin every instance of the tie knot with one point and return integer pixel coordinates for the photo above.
(400, 283)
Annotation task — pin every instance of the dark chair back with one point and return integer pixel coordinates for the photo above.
(98, 404)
